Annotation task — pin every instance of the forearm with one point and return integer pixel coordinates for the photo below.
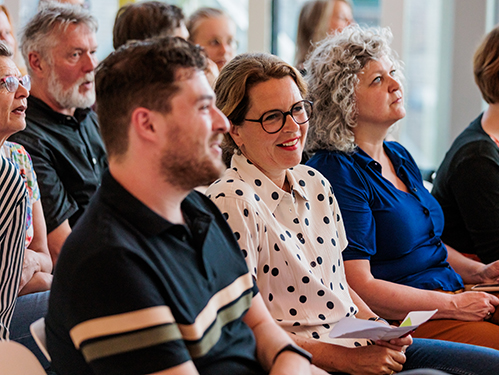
(329, 357)
(270, 339)
(365, 311)
(40, 282)
(470, 270)
(56, 239)
(394, 301)
(42, 260)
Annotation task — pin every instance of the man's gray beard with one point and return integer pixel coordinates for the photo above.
(71, 98)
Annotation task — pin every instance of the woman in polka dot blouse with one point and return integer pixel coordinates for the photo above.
(395, 259)
(287, 221)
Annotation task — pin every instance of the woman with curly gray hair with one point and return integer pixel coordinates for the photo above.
(395, 259)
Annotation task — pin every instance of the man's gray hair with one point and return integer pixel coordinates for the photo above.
(332, 71)
(52, 17)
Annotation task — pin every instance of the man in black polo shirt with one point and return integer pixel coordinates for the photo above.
(62, 132)
(152, 280)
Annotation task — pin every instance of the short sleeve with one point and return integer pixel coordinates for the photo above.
(122, 324)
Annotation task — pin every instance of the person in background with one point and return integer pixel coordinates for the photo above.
(8, 37)
(318, 19)
(152, 280)
(62, 133)
(150, 19)
(395, 259)
(215, 31)
(467, 181)
(25, 264)
(139, 21)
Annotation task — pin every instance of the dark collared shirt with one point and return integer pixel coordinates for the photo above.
(68, 156)
(135, 294)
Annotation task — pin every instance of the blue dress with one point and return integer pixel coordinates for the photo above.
(398, 232)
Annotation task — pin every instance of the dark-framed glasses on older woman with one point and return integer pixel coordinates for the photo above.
(11, 83)
(273, 121)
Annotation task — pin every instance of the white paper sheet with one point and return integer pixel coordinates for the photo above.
(352, 328)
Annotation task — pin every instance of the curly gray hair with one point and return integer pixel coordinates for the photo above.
(332, 71)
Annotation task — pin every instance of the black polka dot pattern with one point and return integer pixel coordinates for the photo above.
(290, 241)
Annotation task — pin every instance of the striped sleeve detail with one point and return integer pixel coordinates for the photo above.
(208, 315)
(121, 323)
(212, 335)
(106, 336)
(13, 205)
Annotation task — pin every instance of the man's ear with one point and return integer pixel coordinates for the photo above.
(37, 64)
(234, 133)
(143, 122)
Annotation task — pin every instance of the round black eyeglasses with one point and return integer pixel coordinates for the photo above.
(273, 121)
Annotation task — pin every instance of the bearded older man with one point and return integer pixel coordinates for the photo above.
(62, 133)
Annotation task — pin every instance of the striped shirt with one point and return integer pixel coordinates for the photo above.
(13, 203)
(136, 294)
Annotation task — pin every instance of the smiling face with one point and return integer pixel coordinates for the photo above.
(12, 104)
(70, 76)
(194, 128)
(217, 35)
(379, 95)
(272, 153)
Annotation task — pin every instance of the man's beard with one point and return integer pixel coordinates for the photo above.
(71, 97)
(188, 169)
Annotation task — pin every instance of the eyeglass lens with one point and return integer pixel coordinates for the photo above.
(273, 121)
(12, 83)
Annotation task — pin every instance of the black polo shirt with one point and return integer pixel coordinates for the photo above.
(135, 294)
(68, 156)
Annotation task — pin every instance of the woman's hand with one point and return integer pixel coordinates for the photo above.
(31, 265)
(490, 273)
(472, 306)
(399, 344)
(375, 360)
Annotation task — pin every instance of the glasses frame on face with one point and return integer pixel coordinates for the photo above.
(12, 83)
(285, 115)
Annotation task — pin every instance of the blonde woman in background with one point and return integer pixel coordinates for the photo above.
(7, 36)
(318, 19)
(215, 31)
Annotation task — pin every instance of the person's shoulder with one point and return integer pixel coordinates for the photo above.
(396, 146)
(334, 164)
(326, 157)
(308, 174)
(231, 185)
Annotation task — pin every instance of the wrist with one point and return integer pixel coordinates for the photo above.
(293, 349)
